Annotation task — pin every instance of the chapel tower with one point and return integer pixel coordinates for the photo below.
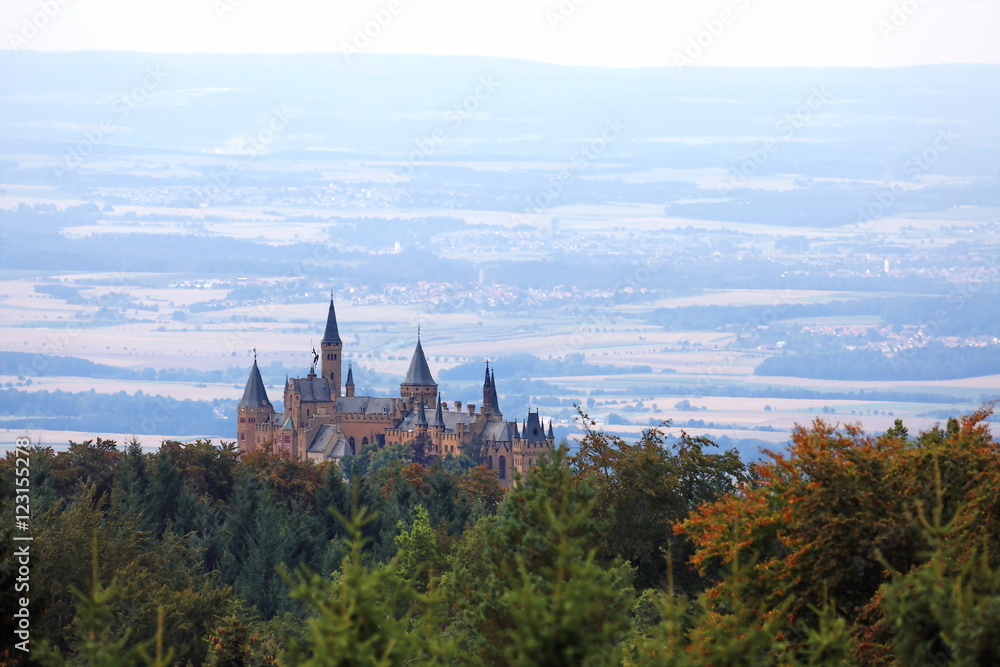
(331, 349)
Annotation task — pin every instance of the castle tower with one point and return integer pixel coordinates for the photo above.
(418, 385)
(349, 387)
(253, 409)
(533, 431)
(491, 403)
(331, 348)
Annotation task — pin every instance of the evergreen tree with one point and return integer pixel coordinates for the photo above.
(536, 594)
(130, 489)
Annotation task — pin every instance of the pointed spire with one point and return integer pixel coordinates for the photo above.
(419, 373)
(517, 434)
(421, 416)
(289, 425)
(494, 399)
(438, 415)
(350, 376)
(331, 335)
(551, 435)
(254, 395)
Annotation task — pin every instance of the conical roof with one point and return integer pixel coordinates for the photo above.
(350, 375)
(421, 416)
(254, 396)
(419, 373)
(331, 335)
(438, 416)
(289, 425)
(550, 435)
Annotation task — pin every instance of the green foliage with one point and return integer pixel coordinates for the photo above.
(95, 641)
(238, 640)
(947, 609)
(638, 553)
(898, 430)
(152, 577)
(535, 593)
(417, 552)
(366, 615)
(643, 488)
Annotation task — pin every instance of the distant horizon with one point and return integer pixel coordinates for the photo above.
(625, 34)
(9, 52)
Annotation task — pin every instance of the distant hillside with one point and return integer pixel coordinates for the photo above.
(120, 412)
(494, 107)
(933, 362)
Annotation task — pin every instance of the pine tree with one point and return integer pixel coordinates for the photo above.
(536, 594)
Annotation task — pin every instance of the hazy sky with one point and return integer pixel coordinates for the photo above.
(587, 32)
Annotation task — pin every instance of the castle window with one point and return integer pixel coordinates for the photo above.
(502, 467)
(364, 441)
(350, 443)
(489, 463)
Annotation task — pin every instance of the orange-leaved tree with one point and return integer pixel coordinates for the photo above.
(831, 514)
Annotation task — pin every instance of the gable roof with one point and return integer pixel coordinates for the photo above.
(311, 389)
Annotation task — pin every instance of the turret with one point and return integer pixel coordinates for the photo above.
(421, 422)
(418, 385)
(438, 424)
(349, 387)
(254, 408)
(331, 349)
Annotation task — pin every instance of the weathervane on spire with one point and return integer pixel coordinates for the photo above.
(255, 355)
(315, 355)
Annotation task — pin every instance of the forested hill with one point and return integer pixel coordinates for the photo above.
(932, 362)
(846, 549)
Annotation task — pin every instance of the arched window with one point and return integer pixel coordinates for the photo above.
(502, 467)
(364, 441)
(489, 463)
(350, 443)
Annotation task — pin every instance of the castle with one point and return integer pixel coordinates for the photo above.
(322, 424)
